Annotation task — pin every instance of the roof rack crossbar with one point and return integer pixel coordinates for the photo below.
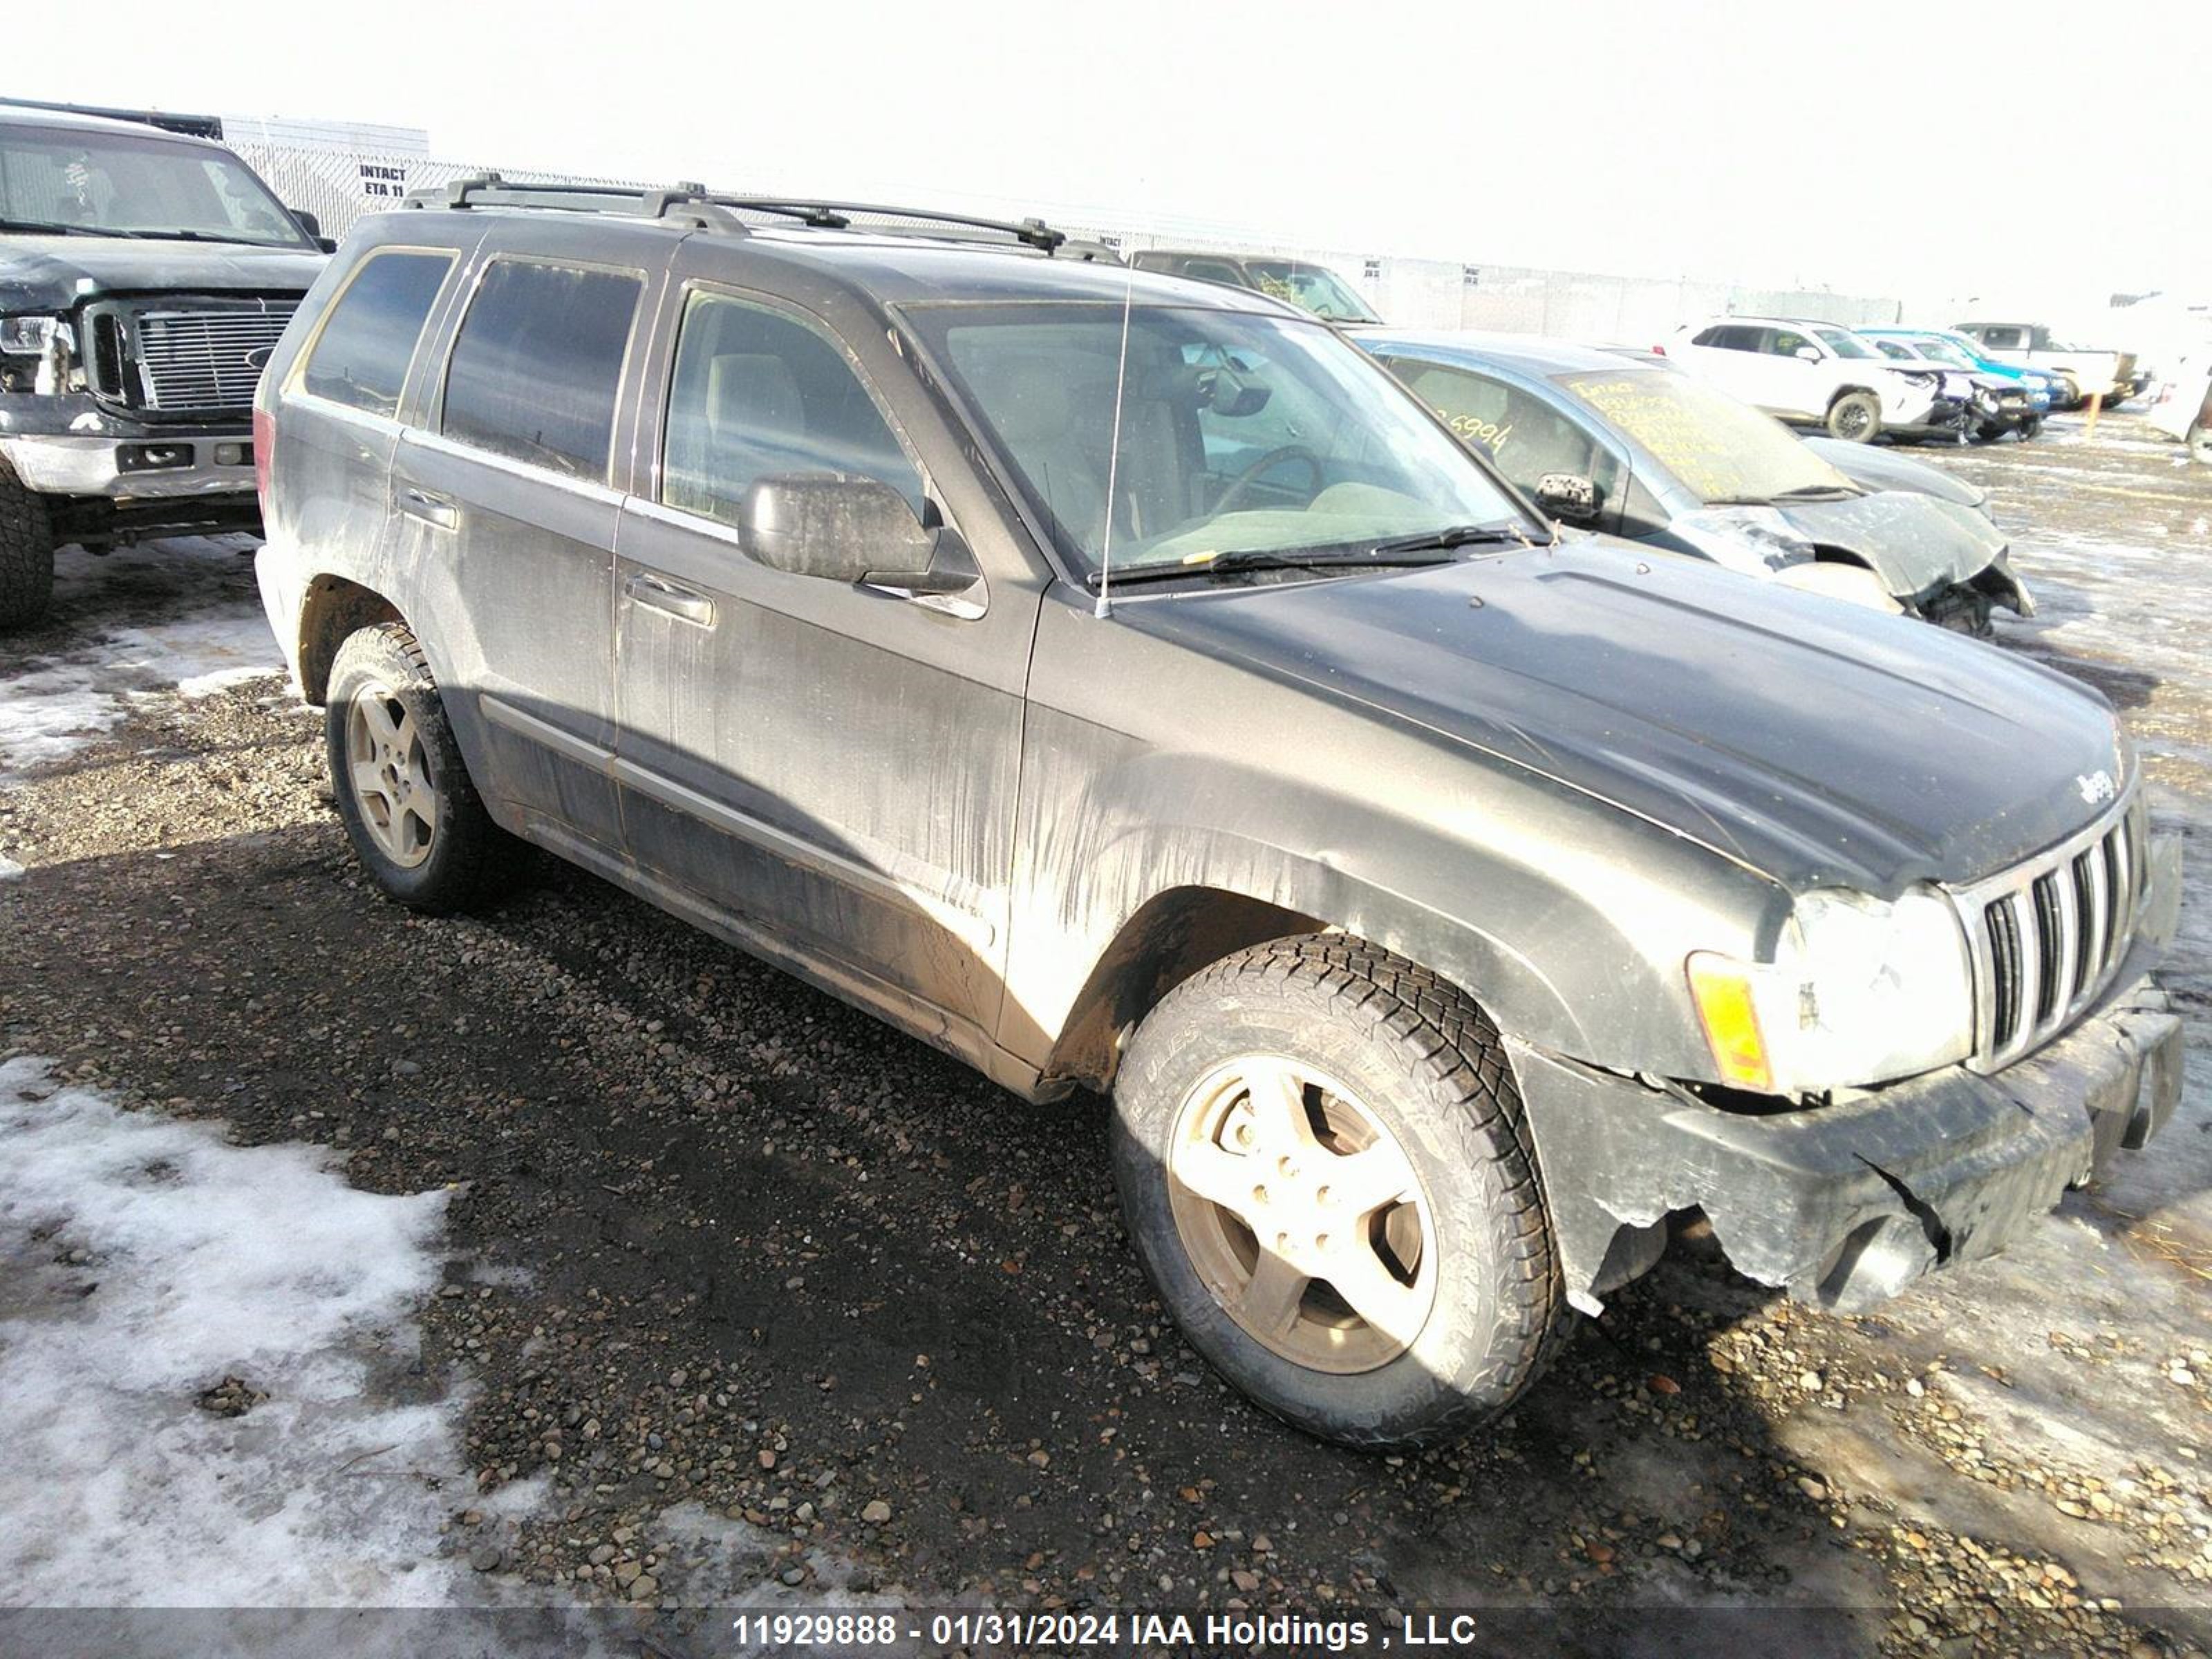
(696, 203)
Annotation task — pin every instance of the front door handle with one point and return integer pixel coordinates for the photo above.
(658, 593)
(432, 510)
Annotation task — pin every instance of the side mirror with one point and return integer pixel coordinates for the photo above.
(852, 530)
(313, 227)
(1568, 496)
(1807, 354)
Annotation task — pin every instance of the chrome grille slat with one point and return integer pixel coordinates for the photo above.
(2046, 937)
(197, 359)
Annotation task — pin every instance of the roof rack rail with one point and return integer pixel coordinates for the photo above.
(715, 211)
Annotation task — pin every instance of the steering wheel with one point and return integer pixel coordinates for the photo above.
(1244, 480)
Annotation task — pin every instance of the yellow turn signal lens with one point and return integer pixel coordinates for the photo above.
(1722, 990)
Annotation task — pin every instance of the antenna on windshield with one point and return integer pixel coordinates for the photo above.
(1104, 607)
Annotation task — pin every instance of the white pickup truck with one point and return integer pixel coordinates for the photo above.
(2035, 346)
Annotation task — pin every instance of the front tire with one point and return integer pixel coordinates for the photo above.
(1323, 1164)
(1855, 417)
(409, 807)
(2200, 440)
(27, 553)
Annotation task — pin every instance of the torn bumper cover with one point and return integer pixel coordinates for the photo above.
(1846, 1204)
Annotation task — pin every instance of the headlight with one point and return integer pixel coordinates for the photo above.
(26, 336)
(1757, 540)
(1861, 992)
(1915, 377)
(1985, 400)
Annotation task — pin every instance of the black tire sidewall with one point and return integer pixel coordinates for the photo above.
(452, 875)
(1856, 399)
(1473, 1355)
(27, 553)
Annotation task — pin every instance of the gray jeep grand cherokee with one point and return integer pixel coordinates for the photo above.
(1120, 681)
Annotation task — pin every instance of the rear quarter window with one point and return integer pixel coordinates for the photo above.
(359, 358)
(535, 373)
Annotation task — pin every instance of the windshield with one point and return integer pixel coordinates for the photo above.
(1239, 434)
(1719, 449)
(1843, 343)
(88, 181)
(1310, 288)
(1942, 351)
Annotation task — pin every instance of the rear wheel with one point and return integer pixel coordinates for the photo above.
(413, 814)
(1855, 417)
(27, 553)
(1322, 1161)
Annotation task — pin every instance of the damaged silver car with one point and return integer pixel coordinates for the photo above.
(1123, 683)
(1635, 448)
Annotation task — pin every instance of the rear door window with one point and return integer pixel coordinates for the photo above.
(757, 393)
(360, 357)
(2004, 339)
(535, 373)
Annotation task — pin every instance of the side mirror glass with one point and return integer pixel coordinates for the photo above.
(1568, 496)
(842, 528)
(1807, 354)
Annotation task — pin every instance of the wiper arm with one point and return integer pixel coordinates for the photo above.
(1385, 557)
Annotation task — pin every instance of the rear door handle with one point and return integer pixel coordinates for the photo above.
(432, 510)
(658, 593)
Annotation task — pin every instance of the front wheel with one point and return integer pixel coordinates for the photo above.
(1323, 1164)
(1855, 417)
(414, 815)
(27, 552)
(2200, 440)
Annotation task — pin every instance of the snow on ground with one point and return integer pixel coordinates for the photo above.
(202, 634)
(143, 1262)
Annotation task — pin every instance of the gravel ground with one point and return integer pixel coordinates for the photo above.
(747, 1297)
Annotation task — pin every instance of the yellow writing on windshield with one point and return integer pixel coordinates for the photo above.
(1685, 445)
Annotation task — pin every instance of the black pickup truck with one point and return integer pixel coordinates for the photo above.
(145, 276)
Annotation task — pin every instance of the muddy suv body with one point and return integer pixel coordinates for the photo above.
(1445, 901)
(145, 277)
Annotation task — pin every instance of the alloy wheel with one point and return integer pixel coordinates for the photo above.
(1301, 1215)
(390, 773)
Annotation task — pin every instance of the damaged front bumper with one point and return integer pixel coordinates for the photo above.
(73, 446)
(1844, 1205)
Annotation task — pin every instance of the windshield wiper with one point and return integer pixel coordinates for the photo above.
(1802, 493)
(54, 227)
(1458, 535)
(1388, 556)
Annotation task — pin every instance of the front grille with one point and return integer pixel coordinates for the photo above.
(200, 359)
(2048, 935)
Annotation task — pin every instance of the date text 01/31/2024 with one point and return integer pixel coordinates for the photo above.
(987, 1630)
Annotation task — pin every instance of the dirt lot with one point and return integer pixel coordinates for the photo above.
(723, 1293)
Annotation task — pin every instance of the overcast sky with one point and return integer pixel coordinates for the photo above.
(1926, 148)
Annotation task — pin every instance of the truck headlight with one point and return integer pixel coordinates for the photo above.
(1861, 992)
(26, 336)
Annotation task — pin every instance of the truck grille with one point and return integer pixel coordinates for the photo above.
(207, 359)
(2048, 935)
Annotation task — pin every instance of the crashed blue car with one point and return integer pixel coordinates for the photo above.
(2045, 391)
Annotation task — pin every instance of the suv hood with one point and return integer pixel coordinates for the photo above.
(1815, 742)
(53, 273)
